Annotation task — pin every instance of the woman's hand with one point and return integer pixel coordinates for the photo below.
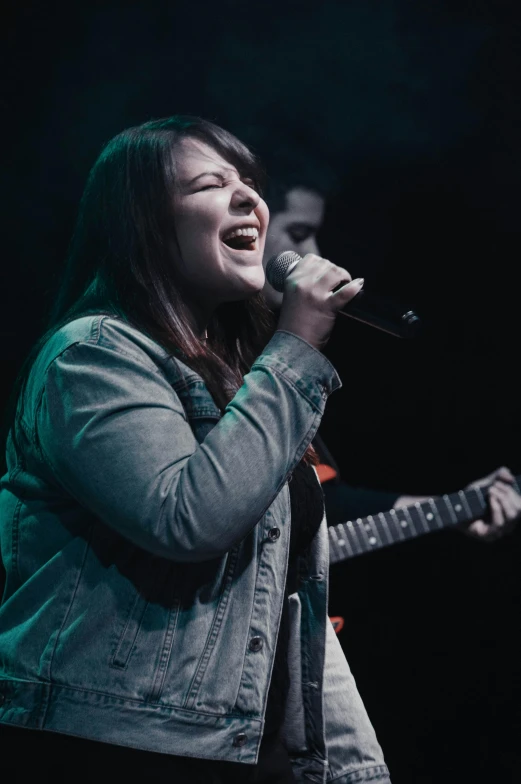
(314, 292)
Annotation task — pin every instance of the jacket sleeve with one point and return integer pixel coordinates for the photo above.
(116, 438)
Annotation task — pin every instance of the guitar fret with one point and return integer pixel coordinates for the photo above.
(460, 514)
(361, 534)
(355, 542)
(345, 540)
(464, 503)
(371, 532)
(450, 508)
(344, 543)
(418, 521)
(333, 539)
(435, 513)
(411, 528)
(382, 530)
(423, 519)
(397, 523)
(481, 496)
(476, 502)
(386, 528)
(336, 542)
(386, 519)
(340, 540)
(404, 522)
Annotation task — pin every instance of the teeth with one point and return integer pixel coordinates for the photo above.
(250, 231)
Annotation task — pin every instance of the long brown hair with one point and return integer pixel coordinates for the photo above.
(119, 261)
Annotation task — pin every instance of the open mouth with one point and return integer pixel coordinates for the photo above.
(242, 239)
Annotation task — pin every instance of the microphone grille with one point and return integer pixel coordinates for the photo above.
(278, 267)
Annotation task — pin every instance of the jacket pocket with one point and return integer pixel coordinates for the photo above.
(129, 634)
(168, 643)
(213, 632)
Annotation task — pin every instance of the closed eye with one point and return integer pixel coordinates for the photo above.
(247, 181)
(251, 183)
(213, 185)
(299, 232)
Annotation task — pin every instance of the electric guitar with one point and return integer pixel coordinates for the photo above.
(356, 537)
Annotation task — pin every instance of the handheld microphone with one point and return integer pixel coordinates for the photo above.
(367, 308)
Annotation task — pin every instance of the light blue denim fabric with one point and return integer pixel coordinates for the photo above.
(145, 540)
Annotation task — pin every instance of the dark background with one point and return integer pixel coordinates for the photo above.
(411, 112)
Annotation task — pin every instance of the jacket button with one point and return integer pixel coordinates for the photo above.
(240, 739)
(255, 644)
(273, 534)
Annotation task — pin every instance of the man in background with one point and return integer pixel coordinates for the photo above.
(297, 213)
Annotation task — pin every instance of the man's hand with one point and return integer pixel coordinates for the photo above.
(503, 500)
(504, 506)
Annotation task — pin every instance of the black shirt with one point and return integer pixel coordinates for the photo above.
(307, 510)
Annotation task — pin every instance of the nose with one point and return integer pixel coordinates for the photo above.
(309, 246)
(244, 198)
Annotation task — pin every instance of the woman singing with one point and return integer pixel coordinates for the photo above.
(161, 522)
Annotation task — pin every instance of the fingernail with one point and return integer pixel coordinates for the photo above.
(360, 281)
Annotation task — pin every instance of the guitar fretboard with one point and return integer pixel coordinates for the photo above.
(363, 535)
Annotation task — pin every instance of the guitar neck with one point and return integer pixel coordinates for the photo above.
(356, 537)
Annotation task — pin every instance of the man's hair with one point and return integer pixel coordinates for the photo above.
(277, 189)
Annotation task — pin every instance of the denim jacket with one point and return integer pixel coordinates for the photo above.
(145, 538)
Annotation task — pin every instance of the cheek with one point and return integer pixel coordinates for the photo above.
(263, 214)
(197, 233)
(277, 241)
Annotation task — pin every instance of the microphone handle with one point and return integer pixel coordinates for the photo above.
(381, 313)
(368, 308)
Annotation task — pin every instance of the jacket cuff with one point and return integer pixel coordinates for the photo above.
(302, 364)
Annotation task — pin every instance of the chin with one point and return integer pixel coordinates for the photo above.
(244, 290)
(252, 281)
(273, 298)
